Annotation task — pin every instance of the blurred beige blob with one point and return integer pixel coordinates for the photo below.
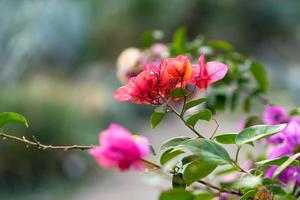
(128, 64)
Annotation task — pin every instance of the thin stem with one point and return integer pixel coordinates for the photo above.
(216, 129)
(182, 119)
(219, 189)
(37, 144)
(237, 154)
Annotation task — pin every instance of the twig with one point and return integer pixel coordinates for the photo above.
(37, 144)
(237, 153)
(220, 189)
(216, 129)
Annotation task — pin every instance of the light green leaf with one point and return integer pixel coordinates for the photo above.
(277, 162)
(285, 165)
(248, 195)
(176, 194)
(173, 142)
(178, 42)
(204, 114)
(197, 170)
(228, 138)
(257, 132)
(6, 117)
(260, 76)
(203, 196)
(194, 103)
(208, 150)
(248, 182)
(169, 154)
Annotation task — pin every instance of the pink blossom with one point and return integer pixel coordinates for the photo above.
(207, 73)
(119, 148)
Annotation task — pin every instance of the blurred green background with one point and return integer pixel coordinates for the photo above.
(57, 68)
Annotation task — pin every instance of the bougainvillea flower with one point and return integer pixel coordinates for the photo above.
(119, 148)
(288, 147)
(143, 88)
(207, 73)
(156, 81)
(275, 115)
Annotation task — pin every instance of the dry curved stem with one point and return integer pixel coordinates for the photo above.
(35, 143)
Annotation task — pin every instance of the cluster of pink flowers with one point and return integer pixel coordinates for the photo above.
(285, 143)
(118, 147)
(157, 81)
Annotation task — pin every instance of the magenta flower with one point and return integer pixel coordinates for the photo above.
(119, 148)
(205, 74)
(288, 147)
(275, 115)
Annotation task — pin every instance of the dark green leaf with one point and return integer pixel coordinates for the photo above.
(169, 154)
(221, 45)
(6, 117)
(277, 190)
(204, 114)
(226, 138)
(189, 159)
(156, 118)
(173, 142)
(194, 103)
(197, 170)
(285, 165)
(177, 181)
(147, 39)
(247, 104)
(152, 150)
(257, 132)
(208, 150)
(276, 162)
(178, 92)
(260, 76)
(269, 181)
(176, 194)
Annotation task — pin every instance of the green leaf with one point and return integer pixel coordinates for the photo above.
(6, 117)
(269, 181)
(221, 45)
(260, 76)
(177, 181)
(257, 132)
(194, 103)
(284, 165)
(248, 195)
(248, 182)
(176, 194)
(169, 154)
(203, 196)
(295, 112)
(204, 114)
(158, 115)
(173, 142)
(276, 162)
(208, 150)
(277, 190)
(228, 138)
(198, 170)
(152, 150)
(178, 42)
(178, 92)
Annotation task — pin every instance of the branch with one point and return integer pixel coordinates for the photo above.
(35, 143)
(219, 189)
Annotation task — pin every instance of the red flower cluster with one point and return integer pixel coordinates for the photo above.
(157, 81)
